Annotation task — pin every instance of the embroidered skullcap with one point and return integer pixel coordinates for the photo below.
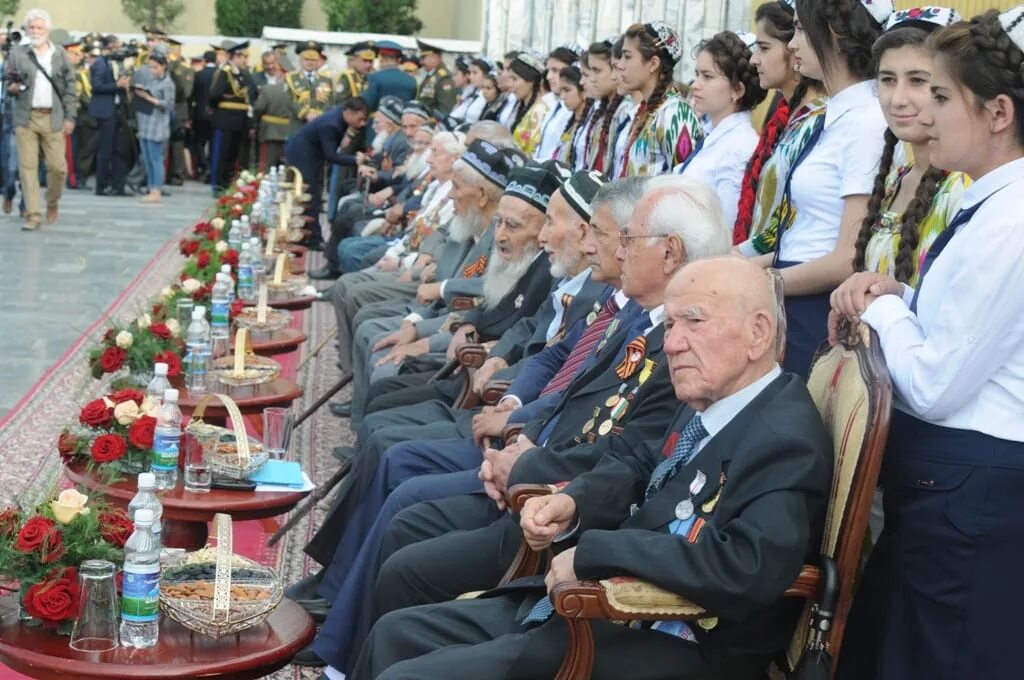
(928, 17)
(391, 108)
(666, 38)
(534, 183)
(489, 161)
(880, 10)
(579, 191)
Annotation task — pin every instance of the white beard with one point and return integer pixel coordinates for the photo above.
(464, 227)
(378, 141)
(560, 269)
(415, 165)
(501, 276)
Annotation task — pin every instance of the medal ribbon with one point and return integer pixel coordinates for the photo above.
(475, 269)
(635, 351)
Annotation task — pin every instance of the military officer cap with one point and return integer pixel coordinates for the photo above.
(279, 46)
(536, 182)
(234, 48)
(416, 108)
(391, 108)
(488, 160)
(311, 49)
(154, 33)
(389, 48)
(365, 49)
(224, 46)
(580, 189)
(427, 48)
(174, 42)
(74, 46)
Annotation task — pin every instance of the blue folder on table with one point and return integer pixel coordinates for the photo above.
(279, 473)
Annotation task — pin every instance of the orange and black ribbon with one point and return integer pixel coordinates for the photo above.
(475, 269)
(630, 363)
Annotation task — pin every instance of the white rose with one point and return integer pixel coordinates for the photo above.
(217, 223)
(144, 321)
(190, 285)
(124, 339)
(166, 293)
(221, 247)
(174, 327)
(148, 406)
(69, 505)
(108, 402)
(126, 412)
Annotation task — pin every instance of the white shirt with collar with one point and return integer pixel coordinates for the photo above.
(843, 163)
(507, 115)
(959, 362)
(551, 128)
(656, 317)
(569, 286)
(622, 123)
(723, 159)
(722, 412)
(42, 91)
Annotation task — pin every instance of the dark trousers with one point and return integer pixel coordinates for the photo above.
(312, 173)
(202, 135)
(806, 328)
(85, 152)
(178, 170)
(227, 144)
(941, 595)
(271, 154)
(110, 162)
(342, 227)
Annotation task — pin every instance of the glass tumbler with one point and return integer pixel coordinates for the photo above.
(277, 431)
(95, 628)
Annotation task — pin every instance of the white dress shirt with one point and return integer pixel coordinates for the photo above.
(723, 159)
(571, 286)
(551, 128)
(42, 91)
(843, 163)
(507, 115)
(622, 123)
(959, 362)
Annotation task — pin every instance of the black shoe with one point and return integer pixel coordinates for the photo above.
(341, 409)
(308, 658)
(305, 588)
(318, 609)
(176, 182)
(135, 188)
(84, 186)
(343, 453)
(324, 273)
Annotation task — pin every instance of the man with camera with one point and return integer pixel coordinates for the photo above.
(42, 78)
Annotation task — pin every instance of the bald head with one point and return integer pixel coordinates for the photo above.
(721, 325)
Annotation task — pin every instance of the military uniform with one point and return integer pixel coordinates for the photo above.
(312, 92)
(273, 112)
(86, 128)
(389, 80)
(229, 99)
(184, 79)
(437, 91)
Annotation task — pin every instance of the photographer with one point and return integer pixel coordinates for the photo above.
(43, 80)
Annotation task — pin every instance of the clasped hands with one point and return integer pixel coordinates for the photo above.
(854, 296)
(543, 518)
(497, 465)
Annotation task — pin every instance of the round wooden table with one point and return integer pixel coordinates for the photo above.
(278, 342)
(290, 303)
(250, 400)
(187, 515)
(180, 653)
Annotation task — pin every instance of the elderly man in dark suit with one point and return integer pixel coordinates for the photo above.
(724, 509)
(107, 91)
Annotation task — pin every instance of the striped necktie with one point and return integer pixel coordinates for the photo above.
(583, 347)
(681, 455)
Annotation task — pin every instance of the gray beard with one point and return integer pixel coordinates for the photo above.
(378, 141)
(416, 165)
(501, 276)
(463, 227)
(561, 270)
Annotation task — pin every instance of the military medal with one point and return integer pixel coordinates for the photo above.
(519, 301)
(614, 400)
(647, 370)
(606, 427)
(708, 623)
(591, 318)
(684, 509)
(619, 410)
(589, 425)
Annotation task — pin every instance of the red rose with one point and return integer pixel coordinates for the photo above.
(201, 227)
(9, 520)
(172, 360)
(159, 312)
(203, 259)
(116, 527)
(96, 414)
(55, 599)
(107, 448)
(67, 444)
(112, 359)
(191, 247)
(140, 433)
(122, 396)
(160, 330)
(42, 534)
(230, 256)
(236, 307)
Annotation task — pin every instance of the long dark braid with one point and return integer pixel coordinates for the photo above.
(523, 107)
(874, 213)
(917, 210)
(648, 48)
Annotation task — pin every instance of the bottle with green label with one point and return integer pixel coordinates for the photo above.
(140, 601)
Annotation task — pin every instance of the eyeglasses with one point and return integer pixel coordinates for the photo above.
(624, 239)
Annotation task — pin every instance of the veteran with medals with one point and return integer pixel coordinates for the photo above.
(437, 91)
(312, 89)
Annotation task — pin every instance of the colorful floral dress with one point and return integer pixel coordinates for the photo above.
(771, 189)
(527, 134)
(884, 245)
(668, 137)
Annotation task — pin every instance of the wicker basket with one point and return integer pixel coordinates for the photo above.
(231, 453)
(224, 613)
(276, 320)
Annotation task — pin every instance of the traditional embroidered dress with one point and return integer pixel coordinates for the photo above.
(668, 138)
(527, 134)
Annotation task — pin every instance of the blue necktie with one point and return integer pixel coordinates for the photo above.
(960, 219)
(681, 455)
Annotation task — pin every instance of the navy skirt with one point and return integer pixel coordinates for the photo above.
(806, 328)
(942, 596)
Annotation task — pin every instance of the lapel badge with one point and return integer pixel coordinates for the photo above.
(519, 300)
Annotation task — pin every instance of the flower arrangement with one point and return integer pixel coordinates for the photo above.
(42, 548)
(151, 338)
(113, 434)
(237, 200)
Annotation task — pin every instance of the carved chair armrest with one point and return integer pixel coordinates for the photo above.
(463, 303)
(494, 391)
(472, 356)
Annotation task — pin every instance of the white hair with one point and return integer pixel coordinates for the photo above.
(691, 210)
(468, 174)
(450, 143)
(494, 132)
(37, 14)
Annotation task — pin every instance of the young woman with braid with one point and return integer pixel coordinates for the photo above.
(725, 90)
(572, 146)
(599, 83)
(941, 595)
(786, 130)
(556, 115)
(625, 114)
(665, 129)
(525, 75)
(826, 191)
(912, 202)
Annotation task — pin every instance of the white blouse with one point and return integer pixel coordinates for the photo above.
(621, 124)
(843, 162)
(551, 128)
(723, 159)
(959, 362)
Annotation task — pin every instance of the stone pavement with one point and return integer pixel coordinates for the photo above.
(55, 282)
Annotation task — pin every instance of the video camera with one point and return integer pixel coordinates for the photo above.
(13, 38)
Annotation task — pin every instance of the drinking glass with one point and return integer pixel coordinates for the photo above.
(277, 431)
(95, 628)
(184, 312)
(198, 474)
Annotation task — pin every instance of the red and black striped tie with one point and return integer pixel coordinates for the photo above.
(583, 347)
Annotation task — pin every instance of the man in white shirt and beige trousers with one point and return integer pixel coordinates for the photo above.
(43, 80)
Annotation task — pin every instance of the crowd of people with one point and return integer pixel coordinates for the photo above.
(613, 239)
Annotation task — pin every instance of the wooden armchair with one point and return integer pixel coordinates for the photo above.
(463, 303)
(851, 387)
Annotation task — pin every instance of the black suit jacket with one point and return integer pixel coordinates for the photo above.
(104, 89)
(770, 469)
(523, 301)
(201, 93)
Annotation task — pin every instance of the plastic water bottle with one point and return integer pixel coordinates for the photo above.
(159, 384)
(146, 498)
(140, 600)
(167, 441)
(197, 347)
(225, 269)
(259, 269)
(244, 229)
(235, 235)
(246, 291)
(220, 307)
